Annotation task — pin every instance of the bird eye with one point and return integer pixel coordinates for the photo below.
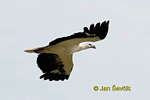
(90, 44)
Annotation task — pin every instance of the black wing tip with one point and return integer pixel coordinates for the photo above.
(86, 29)
(100, 29)
(105, 27)
(54, 77)
(98, 23)
(108, 22)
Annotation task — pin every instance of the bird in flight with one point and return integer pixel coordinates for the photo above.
(55, 60)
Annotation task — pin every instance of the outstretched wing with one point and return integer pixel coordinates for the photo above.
(55, 67)
(94, 33)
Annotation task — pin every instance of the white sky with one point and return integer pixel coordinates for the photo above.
(122, 59)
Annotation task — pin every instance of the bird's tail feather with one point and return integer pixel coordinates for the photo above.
(37, 50)
(30, 51)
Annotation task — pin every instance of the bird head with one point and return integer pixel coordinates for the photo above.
(86, 46)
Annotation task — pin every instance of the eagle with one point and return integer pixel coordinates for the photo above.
(55, 59)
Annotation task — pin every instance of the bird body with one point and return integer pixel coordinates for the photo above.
(55, 60)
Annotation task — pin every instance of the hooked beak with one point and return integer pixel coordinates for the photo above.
(93, 46)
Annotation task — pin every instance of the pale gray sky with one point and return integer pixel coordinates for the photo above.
(122, 59)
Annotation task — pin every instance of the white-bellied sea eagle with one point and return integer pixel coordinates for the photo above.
(55, 60)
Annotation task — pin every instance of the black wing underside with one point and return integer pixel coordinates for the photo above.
(100, 30)
(52, 67)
